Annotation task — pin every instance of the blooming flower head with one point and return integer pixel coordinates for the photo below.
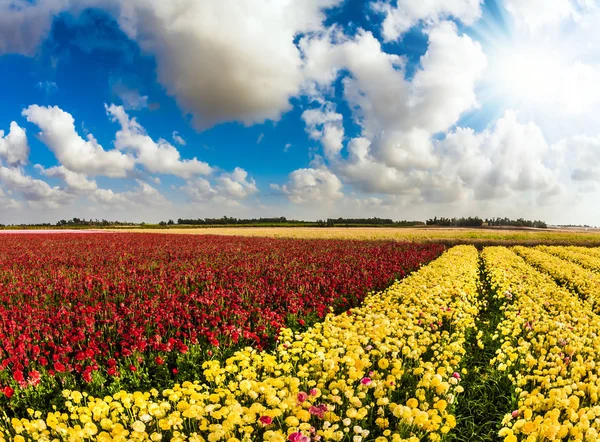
(302, 396)
(266, 420)
(318, 410)
(365, 381)
(298, 437)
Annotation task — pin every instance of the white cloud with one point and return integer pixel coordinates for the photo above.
(535, 14)
(225, 60)
(157, 157)
(582, 153)
(398, 117)
(200, 190)
(144, 195)
(131, 97)
(229, 188)
(444, 87)
(14, 148)
(8, 203)
(408, 13)
(178, 139)
(507, 159)
(37, 193)
(76, 154)
(325, 125)
(236, 184)
(311, 186)
(76, 182)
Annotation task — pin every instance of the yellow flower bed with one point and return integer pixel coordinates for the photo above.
(387, 371)
(590, 251)
(575, 255)
(549, 349)
(574, 277)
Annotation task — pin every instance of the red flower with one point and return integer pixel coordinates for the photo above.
(18, 376)
(159, 360)
(8, 391)
(266, 420)
(59, 367)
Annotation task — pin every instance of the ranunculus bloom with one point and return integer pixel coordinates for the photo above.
(302, 396)
(8, 391)
(266, 420)
(365, 381)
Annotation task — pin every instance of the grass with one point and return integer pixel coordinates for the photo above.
(482, 406)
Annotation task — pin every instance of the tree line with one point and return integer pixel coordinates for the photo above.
(478, 222)
(283, 221)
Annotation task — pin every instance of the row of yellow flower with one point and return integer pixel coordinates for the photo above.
(578, 255)
(387, 371)
(549, 349)
(574, 277)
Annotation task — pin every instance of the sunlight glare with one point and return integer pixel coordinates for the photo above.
(528, 75)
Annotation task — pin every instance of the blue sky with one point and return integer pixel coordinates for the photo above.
(305, 109)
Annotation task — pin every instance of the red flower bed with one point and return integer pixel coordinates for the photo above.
(85, 308)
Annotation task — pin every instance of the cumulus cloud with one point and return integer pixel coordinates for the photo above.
(75, 153)
(325, 125)
(236, 184)
(76, 182)
(37, 193)
(398, 117)
(157, 157)
(583, 154)
(8, 203)
(14, 147)
(144, 195)
(239, 71)
(229, 188)
(407, 13)
(311, 186)
(23, 24)
(508, 158)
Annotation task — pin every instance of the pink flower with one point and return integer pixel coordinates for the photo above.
(365, 381)
(515, 414)
(318, 410)
(456, 375)
(298, 437)
(266, 420)
(313, 392)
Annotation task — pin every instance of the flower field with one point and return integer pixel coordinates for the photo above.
(246, 339)
(105, 312)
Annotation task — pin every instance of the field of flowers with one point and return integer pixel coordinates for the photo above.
(112, 311)
(243, 339)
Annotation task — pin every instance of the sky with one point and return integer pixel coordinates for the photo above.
(146, 110)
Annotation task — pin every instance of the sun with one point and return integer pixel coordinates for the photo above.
(527, 75)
